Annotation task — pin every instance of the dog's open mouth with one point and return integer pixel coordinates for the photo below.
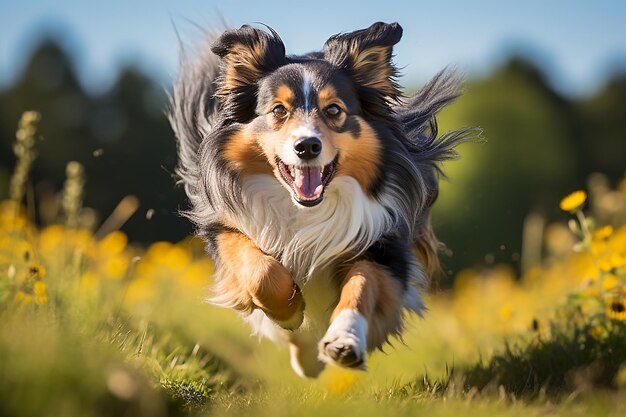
(307, 182)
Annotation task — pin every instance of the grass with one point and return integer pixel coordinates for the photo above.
(93, 326)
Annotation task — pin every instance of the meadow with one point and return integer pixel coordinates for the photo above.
(95, 326)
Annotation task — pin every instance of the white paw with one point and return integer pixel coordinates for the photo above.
(345, 341)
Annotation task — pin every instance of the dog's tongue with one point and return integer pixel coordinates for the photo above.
(308, 183)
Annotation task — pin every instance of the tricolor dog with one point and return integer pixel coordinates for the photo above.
(311, 179)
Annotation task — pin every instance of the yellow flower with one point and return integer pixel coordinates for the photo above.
(113, 244)
(596, 332)
(40, 293)
(22, 297)
(573, 201)
(610, 282)
(167, 255)
(196, 277)
(506, 312)
(51, 239)
(116, 267)
(339, 381)
(139, 290)
(616, 309)
(38, 271)
(611, 262)
(603, 233)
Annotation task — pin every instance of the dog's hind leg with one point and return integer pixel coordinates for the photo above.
(369, 310)
(304, 356)
(247, 278)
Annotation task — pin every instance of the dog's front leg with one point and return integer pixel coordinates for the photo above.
(369, 309)
(247, 278)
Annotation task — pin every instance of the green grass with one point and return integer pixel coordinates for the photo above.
(91, 354)
(54, 368)
(94, 327)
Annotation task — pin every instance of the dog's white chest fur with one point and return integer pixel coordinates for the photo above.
(305, 240)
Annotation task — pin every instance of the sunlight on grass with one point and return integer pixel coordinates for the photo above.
(93, 325)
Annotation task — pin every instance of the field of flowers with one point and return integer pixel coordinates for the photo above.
(95, 326)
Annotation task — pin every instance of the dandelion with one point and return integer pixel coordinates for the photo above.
(612, 262)
(574, 201)
(113, 244)
(603, 233)
(40, 293)
(51, 239)
(339, 381)
(573, 204)
(610, 282)
(116, 267)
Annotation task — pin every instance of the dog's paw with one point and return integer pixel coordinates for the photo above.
(345, 341)
(278, 296)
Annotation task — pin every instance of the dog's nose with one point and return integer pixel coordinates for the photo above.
(308, 148)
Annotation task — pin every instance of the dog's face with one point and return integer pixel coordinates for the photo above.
(310, 127)
(307, 120)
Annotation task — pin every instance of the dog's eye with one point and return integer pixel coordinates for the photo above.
(280, 112)
(333, 110)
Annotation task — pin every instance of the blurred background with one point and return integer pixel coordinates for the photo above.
(546, 82)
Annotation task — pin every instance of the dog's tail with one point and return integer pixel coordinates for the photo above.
(193, 106)
(417, 115)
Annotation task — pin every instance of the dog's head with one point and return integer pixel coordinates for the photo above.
(307, 119)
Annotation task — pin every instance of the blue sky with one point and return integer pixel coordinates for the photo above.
(578, 42)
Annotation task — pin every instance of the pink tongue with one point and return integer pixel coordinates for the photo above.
(308, 183)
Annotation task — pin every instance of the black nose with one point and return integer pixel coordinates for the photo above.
(308, 148)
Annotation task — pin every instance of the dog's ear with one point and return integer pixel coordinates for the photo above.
(247, 55)
(366, 55)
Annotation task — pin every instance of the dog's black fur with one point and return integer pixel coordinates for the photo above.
(201, 113)
(226, 90)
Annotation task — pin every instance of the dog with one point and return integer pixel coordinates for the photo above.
(311, 179)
